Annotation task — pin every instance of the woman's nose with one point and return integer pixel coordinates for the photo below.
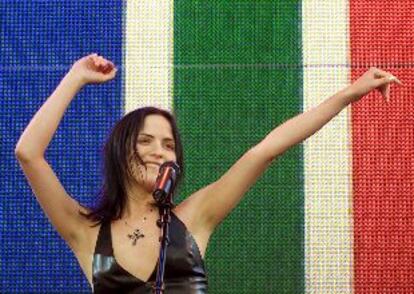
(157, 151)
(157, 155)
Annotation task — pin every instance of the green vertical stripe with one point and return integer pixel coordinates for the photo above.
(237, 76)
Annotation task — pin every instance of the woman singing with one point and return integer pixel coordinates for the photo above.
(117, 242)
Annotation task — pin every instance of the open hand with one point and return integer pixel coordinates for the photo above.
(372, 79)
(94, 69)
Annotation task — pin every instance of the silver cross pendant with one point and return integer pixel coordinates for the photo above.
(135, 236)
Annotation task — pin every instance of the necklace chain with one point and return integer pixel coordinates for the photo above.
(137, 233)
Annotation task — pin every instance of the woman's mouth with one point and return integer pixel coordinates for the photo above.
(153, 164)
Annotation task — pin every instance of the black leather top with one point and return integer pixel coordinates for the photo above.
(184, 268)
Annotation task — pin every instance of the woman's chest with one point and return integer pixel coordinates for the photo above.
(136, 250)
(132, 252)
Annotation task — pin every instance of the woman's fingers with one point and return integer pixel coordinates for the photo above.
(394, 79)
(383, 81)
(94, 68)
(379, 73)
(98, 61)
(107, 68)
(385, 92)
(385, 85)
(101, 64)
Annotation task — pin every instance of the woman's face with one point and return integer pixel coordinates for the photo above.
(155, 146)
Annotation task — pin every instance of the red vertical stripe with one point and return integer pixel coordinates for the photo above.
(382, 35)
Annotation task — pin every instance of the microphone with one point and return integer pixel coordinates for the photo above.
(165, 183)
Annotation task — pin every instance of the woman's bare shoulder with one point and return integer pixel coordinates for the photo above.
(85, 247)
(87, 235)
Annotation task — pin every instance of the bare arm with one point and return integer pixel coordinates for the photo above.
(213, 203)
(61, 209)
(304, 125)
(38, 134)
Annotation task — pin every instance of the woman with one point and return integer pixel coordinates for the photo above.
(117, 244)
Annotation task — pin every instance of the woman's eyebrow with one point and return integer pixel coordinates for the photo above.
(151, 136)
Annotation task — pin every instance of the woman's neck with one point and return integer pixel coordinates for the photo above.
(139, 202)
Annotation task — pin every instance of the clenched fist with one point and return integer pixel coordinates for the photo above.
(93, 69)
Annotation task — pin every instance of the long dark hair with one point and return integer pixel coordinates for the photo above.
(120, 145)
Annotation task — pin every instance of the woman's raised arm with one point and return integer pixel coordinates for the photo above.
(60, 208)
(213, 203)
(306, 124)
(38, 134)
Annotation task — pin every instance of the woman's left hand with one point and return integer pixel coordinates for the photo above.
(372, 79)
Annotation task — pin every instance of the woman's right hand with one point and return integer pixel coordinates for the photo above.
(93, 69)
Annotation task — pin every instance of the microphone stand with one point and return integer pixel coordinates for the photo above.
(164, 223)
(163, 195)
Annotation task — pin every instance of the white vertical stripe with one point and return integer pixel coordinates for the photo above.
(148, 54)
(327, 155)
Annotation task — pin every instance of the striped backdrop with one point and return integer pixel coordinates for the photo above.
(322, 219)
(332, 215)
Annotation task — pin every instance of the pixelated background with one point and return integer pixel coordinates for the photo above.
(332, 215)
